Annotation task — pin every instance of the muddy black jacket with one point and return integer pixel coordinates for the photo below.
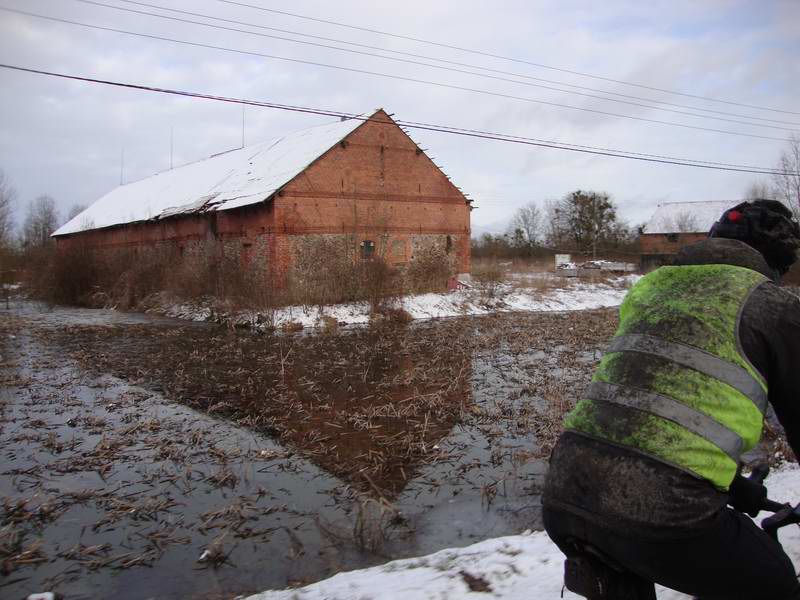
(626, 491)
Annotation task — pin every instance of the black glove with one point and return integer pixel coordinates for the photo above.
(746, 495)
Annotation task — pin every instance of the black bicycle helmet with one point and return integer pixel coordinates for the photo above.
(766, 225)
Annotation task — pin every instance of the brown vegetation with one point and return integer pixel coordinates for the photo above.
(327, 270)
(490, 274)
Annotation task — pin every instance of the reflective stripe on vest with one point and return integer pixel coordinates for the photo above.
(663, 406)
(697, 359)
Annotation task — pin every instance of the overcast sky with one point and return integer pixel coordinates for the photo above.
(65, 138)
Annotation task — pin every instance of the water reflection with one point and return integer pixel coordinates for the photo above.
(307, 454)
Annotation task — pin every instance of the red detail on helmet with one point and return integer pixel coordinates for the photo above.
(735, 216)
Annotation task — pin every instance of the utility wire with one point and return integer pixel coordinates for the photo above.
(432, 58)
(388, 76)
(501, 57)
(418, 125)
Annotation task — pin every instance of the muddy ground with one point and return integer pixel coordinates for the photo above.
(145, 457)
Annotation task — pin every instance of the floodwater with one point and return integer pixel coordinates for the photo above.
(145, 457)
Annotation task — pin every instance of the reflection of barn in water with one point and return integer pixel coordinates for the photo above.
(378, 417)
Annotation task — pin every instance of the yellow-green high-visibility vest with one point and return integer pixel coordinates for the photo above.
(675, 384)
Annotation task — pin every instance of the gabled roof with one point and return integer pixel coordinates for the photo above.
(687, 217)
(222, 182)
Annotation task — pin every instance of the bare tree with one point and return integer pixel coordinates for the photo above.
(759, 190)
(686, 222)
(75, 210)
(556, 226)
(40, 222)
(682, 222)
(528, 221)
(7, 196)
(787, 184)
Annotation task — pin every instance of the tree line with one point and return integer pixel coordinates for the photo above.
(20, 244)
(584, 222)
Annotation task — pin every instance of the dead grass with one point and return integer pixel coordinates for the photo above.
(330, 326)
(393, 315)
(15, 553)
(490, 274)
(291, 327)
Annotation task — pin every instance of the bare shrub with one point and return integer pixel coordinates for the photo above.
(323, 271)
(129, 277)
(375, 522)
(330, 326)
(328, 270)
(428, 270)
(291, 327)
(64, 276)
(143, 274)
(378, 281)
(490, 275)
(549, 422)
(394, 315)
(224, 277)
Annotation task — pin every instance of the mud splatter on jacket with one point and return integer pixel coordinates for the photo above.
(645, 473)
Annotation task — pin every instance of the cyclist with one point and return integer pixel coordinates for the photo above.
(649, 458)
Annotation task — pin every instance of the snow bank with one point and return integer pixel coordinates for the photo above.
(521, 567)
(468, 301)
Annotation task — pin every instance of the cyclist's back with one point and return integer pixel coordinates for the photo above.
(643, 469)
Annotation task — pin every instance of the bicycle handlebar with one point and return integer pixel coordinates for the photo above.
(785, 514)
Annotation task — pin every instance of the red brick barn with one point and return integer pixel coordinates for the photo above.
(675, 225)
(363, 180)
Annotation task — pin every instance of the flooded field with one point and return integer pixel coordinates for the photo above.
(150, 458)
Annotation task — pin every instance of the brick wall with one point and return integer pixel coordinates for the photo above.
(377, 184)
(659, 248)
(664, 243)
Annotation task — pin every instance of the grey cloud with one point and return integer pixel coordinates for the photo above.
(65, 138)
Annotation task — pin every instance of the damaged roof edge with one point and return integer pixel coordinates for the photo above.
(236, 178)
(165, 215)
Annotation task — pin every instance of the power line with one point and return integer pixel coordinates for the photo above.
(388, 76)
(440, 67)
(506, 58)
(418, 125)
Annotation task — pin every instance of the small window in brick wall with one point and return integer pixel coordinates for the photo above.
(367, 249)
(398, 250)
(672, 237)
(448, 244)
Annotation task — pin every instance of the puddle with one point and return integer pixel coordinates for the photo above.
(132, 444)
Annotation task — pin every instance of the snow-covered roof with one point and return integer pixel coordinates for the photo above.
(221, 182)
(687, 217)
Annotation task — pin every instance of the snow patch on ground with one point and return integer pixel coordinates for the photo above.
(572, 295)
(520, 567)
